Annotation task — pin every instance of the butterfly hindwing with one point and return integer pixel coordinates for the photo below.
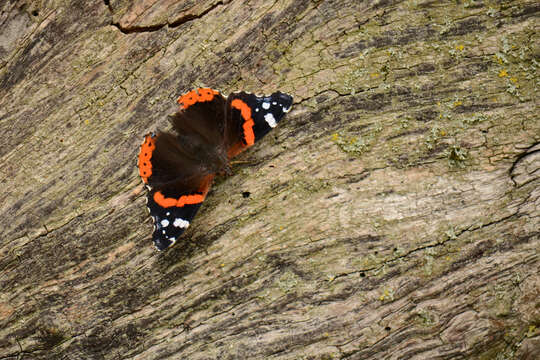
(169, 223)
(178, 168)
(172, 212)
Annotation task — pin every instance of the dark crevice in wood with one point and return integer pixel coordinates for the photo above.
(191, 17)
(151, 28)
(138, 29)
(528, 152)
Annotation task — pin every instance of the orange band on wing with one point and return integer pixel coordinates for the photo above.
(192, 199)
(195, 96)
(161, 200)
(245, 111)
(145, 154)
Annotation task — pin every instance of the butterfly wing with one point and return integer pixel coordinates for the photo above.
(173, 212)
(179, 168)
(251, 117)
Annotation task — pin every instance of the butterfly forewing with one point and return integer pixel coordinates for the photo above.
(251, 117)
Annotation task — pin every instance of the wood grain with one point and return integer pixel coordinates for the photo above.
(393, 214)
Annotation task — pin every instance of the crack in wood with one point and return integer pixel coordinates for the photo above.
(529, 151)
(131, 29)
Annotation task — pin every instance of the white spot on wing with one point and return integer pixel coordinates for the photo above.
(266, 105)
(269, 118)
(164, 222)
(286, 110)
(181, 223)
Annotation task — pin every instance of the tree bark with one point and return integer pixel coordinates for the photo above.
(393, 214)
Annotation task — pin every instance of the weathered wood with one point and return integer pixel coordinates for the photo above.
(393, 214)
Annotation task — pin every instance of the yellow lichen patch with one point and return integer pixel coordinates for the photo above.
(460, 47)
(387, 294)
(350, 144)
(532, 331)
(503, 73)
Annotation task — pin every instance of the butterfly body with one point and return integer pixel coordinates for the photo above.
(209, 130)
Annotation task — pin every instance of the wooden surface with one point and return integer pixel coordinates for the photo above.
(393, 214)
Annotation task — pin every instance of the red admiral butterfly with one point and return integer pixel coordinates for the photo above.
(178, 168)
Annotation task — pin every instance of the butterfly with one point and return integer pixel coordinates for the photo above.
(208, 131)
